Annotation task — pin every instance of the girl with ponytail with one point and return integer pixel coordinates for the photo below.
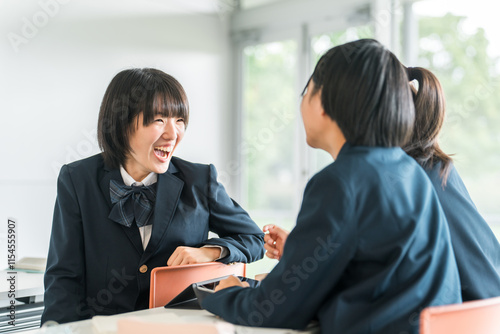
(476, 248)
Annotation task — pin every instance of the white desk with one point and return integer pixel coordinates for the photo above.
(28, 285)
(188, 316)
(28, 300)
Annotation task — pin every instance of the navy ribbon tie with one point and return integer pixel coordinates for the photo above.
(132, 202)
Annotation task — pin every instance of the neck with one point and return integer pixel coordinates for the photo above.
(335, 148)
(137, 175)
(334, 140)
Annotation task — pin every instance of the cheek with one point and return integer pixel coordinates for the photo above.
(180, 134)
(305, 110)
(143, 141)
(305, 118)
(134, 143)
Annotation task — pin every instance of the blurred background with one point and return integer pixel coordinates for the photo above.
(243, 64)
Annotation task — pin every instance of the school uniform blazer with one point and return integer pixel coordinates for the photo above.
(476, 248)
(97, 266)
(370, 250)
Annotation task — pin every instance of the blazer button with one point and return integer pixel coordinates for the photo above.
(143, 268)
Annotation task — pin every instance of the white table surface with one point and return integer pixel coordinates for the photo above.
(189, 316)
(27, 284)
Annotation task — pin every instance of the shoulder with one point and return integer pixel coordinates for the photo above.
(333, 173)
(370, 161)
(187, 167)
(95, 160)
(363, 168)
(87, 166)
(454, 193)
(191, 172)
(329, 184)
(434, 173)
(453, 182)
(80, 174)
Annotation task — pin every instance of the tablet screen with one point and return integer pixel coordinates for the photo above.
(209, 287)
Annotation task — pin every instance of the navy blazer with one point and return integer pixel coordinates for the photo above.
(476, 248)
(370, 250)
(93, 262)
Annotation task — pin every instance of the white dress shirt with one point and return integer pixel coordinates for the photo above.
(145, 231)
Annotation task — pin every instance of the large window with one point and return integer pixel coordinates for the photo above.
(459, 44)
(459, 47)
(269, 118)
(269, 187)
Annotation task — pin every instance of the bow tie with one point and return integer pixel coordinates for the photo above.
(131, 202)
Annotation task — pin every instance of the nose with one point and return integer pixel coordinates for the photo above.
(169, 131)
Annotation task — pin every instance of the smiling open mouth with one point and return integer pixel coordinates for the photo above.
(163, 152)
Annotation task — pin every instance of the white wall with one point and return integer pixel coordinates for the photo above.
(53, 80)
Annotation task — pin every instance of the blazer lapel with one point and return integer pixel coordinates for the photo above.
(133, 231)
(167, 196)
(109, 174)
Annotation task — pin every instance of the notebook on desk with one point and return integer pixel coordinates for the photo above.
(193, 295)
(31, 264)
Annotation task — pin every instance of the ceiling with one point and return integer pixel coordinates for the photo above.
(13, 13)
(86, 8)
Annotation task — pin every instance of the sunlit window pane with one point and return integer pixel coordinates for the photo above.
(269, 109)
(461, 47)
(269, 123)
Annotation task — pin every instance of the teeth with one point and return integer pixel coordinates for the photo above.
(164, 149)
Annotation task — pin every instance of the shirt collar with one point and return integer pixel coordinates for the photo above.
(129, 180)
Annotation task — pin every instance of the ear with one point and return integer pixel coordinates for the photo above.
(327, 120)
(324, 115)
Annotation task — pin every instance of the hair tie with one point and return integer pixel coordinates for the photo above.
(414, 84)
(410, 71)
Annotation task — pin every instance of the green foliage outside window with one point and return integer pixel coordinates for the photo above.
(269, 121)
(471, 82)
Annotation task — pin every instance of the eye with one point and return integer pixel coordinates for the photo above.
(181, 120)
(159, 120)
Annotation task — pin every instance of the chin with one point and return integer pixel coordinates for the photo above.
(311, 143)
(163, 168)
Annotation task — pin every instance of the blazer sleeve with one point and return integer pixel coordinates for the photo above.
(316, 253)
(236, 230)
(65, 274)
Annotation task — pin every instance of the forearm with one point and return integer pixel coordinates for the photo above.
(241, 248)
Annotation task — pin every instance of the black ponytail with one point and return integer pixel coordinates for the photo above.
(429, 118)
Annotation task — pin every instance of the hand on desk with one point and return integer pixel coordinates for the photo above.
(191, 255)
(274, 241)
(229, 282)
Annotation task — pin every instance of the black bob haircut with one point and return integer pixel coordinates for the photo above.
(129, 93)
(366, 91)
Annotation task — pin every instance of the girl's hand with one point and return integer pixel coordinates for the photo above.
(274, 241)
(229, 282)
(191, 255)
